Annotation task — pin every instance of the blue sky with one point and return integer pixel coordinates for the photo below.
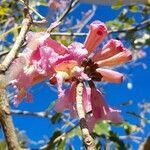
(43, 95)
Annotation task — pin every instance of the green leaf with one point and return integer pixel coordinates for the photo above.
(61, 144)
(130, 128)
(117, 5)
(54, 140)
(129, 21)
(133, 8)
(114, 25)
(56, 118)
(102, 128)
(3, 11)
(120, 145)
(3, 145)
(74, 132)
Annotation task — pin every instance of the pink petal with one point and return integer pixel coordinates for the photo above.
(117, 59)
(24, 76)
(110, 75)
(114, 116)
(43, 64)
(67, 101)
(60, 80)
(59, 48)
(66, 66)
(99, 106)
(34, 40)
(78, 51)
(101, 111)
(97, 33)
(86, 99)
(111, 48)
(91, 121)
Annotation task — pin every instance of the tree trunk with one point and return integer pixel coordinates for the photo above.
(5, 117)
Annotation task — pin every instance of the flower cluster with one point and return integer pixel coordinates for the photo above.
(44, 58)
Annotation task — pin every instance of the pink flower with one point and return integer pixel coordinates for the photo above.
(113, 53)
(97, 33)
(93, 103)
(45, 58)
(35, 63)
(110, 75)
(111, 48)
(100, 110)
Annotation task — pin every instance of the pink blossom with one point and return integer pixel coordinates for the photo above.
(110, 75)
(111, 48)
(97, 33)
(44, 58)
(100, 110)
(67, 101)
(35, 63)
(117, 59)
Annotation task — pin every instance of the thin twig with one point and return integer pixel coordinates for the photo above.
(42, 115)
(72, 4)
(68, 34)
(28, 113)
(33, 10)
(63, 135)
(40, 22)
(88, 140)
(2, 53)
(140, 26)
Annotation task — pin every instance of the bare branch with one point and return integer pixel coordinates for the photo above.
(33, 10)
(19, 41)
(88, 140)
(73, 3)
(28, 113)
(145, 145)
(139, 27)
(68, 34)
(40, 22)
(2, 53)
(110, 2)
(5, 116)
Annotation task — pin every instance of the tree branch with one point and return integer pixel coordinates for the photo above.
(11, 55)
(73, 3)
(26, 23)
(2, 53)
(33, 10)
(5, 117)
(110, 2)
(28, 113)
(140, 26)
(88, 140)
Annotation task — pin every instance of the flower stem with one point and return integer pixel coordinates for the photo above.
(88, 140)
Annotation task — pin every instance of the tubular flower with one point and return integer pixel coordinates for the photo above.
(45, 58)
(97, 33)
(113, 53)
